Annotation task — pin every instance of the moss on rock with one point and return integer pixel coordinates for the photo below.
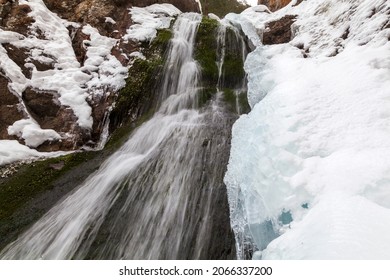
(205, 51)
(136, 98)
(237, 101)
(222, 7)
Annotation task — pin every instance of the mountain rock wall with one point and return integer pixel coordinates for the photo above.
(274, 5)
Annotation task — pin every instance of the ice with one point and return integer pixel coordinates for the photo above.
(316, 143)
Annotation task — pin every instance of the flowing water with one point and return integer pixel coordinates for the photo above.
(161, 195)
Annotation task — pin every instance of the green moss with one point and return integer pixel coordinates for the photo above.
(205, 95)
(243, 103)
(222, 7)
(122, 133)
(234, 99)
(162, 39)
(33, 179)
(137, 97)
(205, 50)
(233, 66)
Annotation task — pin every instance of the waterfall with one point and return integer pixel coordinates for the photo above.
(161, 195)
(231, 42)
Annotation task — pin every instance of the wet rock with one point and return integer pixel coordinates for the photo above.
(279, 32)
(222, 7)
(57, 166)
(100, 105)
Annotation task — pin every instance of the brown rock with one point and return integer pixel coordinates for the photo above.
(274, 5)
(16, 17)
(94, 12)
(182, 5)
(9, 109)
(19, 56)
(99, 105)
(279, 32)
(47, 111)
(78, 38)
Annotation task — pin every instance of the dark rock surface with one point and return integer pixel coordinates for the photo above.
(274, 5)
(279, 32)
(9, 109)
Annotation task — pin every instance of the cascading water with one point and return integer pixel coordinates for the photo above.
(161, 195)
(231, 43)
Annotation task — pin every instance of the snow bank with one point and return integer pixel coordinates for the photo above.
(316, 144)
(31, 132)
(12, 150)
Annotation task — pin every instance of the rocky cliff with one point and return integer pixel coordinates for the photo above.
(43, 39)
(274, 5)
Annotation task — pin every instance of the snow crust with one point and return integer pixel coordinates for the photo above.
(150, 19)
(317, 141)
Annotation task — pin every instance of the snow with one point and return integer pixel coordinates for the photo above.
(316, 142)
(106, 70)
(12, 150)
(110, 20)
(150, 19)
(101, 72)
(31, 132)
(248, 2)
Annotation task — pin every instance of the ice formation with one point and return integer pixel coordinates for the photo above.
(316, 144)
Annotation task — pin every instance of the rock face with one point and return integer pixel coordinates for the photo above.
(274, 5)
(9, 111)
(95, 11)
(183, 5)
(279, 32)
(43, 106)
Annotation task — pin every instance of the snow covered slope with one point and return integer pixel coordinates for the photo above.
(313, 156)
(42, 59)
